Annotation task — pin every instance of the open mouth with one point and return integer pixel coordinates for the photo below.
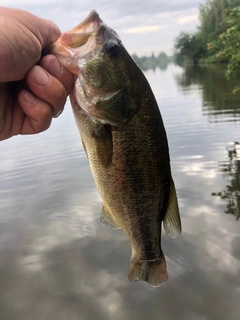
(79, 35)
(77, 42)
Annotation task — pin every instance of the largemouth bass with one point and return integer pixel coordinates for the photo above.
(125, 141)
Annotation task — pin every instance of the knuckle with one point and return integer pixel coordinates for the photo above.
(59, 97)
(42, 126)
(45, 118)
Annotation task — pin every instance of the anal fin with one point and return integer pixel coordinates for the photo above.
(107, 220)
(171, 220)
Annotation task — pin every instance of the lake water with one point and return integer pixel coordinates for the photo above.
(58, 262)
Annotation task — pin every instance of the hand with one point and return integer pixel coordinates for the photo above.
(32, 92)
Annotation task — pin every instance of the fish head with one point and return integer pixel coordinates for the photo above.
(104, 70)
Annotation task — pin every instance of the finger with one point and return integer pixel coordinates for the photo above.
(3, 103)
(47, 88)
(6, 100)
(38, 113)
(52, 65)
(22, 41)
(46, 31)
(17, 120)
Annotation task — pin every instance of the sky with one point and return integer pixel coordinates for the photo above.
(144, 26)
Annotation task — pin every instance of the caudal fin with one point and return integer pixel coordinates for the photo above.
(154, 271)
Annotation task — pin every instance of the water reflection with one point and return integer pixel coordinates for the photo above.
(231, 174)
(58, 262)
(219, 103)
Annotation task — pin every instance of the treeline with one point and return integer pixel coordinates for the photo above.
(161, 61)
(217, 38)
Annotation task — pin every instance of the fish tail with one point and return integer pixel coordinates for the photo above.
(152, 271)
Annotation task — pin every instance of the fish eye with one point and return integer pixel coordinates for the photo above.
(112, 49)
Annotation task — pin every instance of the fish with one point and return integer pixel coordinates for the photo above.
(124, 138)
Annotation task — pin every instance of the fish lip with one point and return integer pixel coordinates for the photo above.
(74, 44)
(89, 24)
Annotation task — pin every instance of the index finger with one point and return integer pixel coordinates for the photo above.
(51, 64)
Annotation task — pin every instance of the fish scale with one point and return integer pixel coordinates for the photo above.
(125, 141)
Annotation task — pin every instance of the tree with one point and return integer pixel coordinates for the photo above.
(211, 17)
(212, 24)
(227, 45)
(152, 62)
(190, 45)
(162, 56)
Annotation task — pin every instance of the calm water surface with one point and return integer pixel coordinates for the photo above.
(58, 262)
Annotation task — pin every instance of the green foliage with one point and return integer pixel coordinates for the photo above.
(212, 23)
(190, 46)
(227, 45)
(152, 62)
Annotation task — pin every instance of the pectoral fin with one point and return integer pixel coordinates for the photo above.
(171, 220)
(103, 142)
(84, 147)
(107, 220)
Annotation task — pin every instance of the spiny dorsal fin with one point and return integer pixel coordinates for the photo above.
(107, 220)
(171, 220)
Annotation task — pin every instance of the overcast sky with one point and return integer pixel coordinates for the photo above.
(144, 26)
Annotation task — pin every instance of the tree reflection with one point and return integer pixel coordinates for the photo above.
(218, 100)
(231, 173)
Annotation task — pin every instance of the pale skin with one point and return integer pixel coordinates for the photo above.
(33, 90)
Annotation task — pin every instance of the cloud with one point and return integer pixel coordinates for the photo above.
(143, 26)
(187, 19)
(145, 29)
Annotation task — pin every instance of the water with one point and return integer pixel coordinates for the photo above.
(58, 262)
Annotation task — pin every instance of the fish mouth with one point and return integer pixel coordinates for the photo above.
(76, 43)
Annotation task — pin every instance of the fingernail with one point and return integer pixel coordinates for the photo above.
(28, 97)
(41, 77)
(54, 67)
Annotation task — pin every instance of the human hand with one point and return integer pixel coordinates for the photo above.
(30, 94)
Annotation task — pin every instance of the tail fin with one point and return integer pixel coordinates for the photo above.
(152, 271)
